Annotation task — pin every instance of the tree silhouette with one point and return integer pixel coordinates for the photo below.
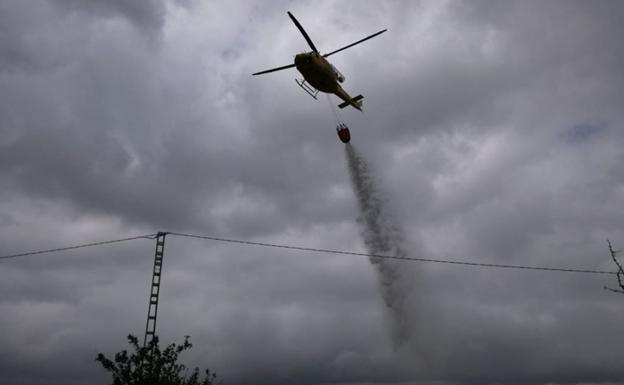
(151, 366)
(620, 272)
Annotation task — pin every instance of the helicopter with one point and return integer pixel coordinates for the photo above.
(318, 73)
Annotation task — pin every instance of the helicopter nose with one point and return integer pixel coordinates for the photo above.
(305, 57)
(302, 60)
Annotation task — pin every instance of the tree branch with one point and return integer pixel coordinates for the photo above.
(620, 272)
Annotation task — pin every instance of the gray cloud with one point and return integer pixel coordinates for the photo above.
(494, 130)
(148, 14)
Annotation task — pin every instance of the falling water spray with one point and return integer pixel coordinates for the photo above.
(382, 237)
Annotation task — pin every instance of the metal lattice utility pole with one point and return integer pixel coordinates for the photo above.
(152, 309)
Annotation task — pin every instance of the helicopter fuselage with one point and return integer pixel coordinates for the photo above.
(317, 71)
(321, 74)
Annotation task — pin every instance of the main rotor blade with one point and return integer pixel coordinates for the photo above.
(303, 32)
(274, 69)
(357, 42)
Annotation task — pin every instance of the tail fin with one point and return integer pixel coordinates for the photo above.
(355, 102)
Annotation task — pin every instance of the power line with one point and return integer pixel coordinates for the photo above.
(316, 250)
(411, 259)
(148, 236)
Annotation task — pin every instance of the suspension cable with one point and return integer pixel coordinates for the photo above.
(333, 108)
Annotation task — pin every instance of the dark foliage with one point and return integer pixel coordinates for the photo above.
(151, 366)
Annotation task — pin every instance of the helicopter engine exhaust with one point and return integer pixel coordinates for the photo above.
(339, 76)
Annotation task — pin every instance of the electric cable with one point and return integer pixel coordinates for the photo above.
(411, 259)
(148, 236)
(316, 250)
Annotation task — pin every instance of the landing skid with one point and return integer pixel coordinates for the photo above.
(307, 88)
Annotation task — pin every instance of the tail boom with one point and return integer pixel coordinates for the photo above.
(355, 102)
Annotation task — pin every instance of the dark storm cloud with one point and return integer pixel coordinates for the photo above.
(494, 130)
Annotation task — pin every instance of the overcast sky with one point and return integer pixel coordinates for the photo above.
(493, 130)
